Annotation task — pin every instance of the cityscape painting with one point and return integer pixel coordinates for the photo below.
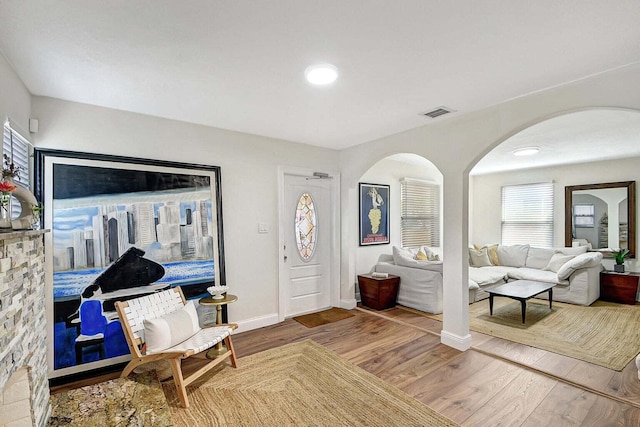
(120, 228)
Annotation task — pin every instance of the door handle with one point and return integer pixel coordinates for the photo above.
(285, 258)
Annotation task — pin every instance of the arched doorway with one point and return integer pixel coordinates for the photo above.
(391, 171)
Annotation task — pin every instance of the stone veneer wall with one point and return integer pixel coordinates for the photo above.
(23, 326)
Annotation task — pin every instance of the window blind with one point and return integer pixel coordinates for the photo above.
(16, 147)
(527, 214)
(420, 213)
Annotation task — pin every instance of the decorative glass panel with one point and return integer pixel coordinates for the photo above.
(306, 230)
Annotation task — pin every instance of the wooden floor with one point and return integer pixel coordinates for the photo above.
(496, 383)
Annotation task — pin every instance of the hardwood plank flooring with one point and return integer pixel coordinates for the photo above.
(474, 388)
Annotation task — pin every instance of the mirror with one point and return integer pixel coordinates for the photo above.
(602, 215)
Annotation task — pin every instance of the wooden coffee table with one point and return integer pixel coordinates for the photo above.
(520, 290)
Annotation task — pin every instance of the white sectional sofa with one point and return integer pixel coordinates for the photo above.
(575, 272)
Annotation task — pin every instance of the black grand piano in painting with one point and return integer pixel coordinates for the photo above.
(130, 276)
(97, 324)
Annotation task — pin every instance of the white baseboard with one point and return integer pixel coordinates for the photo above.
(257, 322)
(348, 304)
(456, 341)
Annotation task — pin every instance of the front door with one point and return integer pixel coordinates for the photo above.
(306, 263)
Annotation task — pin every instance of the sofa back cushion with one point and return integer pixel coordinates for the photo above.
(587, 260)
(513, 255)
(538, 257)
(557, 261)
(572, 250)
(404, 258)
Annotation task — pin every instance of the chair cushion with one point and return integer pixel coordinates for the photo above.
(164, 332)
(204, 339)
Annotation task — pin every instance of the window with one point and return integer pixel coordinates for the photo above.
(527, 214)
(584, 215)
(420, 217)
(16, 147)
(306, 230)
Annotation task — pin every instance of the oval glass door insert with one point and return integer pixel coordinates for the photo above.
(306, 227)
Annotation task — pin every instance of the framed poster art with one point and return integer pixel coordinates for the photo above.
(374, 214)
(121, 228)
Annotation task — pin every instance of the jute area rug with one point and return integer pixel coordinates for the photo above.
(300, 384)
(606, 334)
(323, 317)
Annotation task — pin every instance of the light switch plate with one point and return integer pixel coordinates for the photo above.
(263, 227)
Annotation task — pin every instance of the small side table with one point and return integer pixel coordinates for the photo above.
(378, 293)
(218, 303)
(619, 287)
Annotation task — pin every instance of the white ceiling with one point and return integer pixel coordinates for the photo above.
(579, 137)
(240, 64)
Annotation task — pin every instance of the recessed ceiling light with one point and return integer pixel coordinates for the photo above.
(526, 151)
(321, 74)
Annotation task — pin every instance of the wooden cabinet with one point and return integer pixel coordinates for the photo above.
(619, 287)
(378, 293)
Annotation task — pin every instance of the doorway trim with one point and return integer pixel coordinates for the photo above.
(334, 248)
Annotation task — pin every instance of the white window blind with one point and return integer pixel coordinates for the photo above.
(420, 213)
(16, 147)
(527, 214)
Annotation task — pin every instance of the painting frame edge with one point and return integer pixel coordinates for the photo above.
(40, 158)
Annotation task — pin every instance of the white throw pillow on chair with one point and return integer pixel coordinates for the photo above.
(171, 329)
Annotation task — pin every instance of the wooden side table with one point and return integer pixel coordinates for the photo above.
(378, 293)
(619, 287)
(218, 303)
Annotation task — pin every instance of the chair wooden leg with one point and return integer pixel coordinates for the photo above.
(232, 350)
(179, 381)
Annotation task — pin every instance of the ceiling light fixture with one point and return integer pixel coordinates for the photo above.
(526, 151)
(321, 74)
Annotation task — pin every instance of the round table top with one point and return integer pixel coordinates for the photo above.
(228, 299)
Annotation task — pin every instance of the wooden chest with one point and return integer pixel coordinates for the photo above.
(378, 293)
(619, 287)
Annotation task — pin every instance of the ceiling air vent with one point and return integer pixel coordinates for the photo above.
(437, 112)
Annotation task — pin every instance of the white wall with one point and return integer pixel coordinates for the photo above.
(15, 99)
(486, 204)
(390, 172)
(249, 182)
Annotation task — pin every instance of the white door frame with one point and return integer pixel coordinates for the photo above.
(334, 249)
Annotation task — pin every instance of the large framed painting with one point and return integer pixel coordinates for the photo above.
(374, 214)
(121, 228)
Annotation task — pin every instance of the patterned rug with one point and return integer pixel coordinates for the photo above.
(136, 401)
(323, 317)
(300, 384)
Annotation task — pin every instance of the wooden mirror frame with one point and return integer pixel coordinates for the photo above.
(631, 197)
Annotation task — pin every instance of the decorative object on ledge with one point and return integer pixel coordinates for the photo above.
(619, 256)
(217, 291)
(27, 201)
(6, 188)
(22, 194)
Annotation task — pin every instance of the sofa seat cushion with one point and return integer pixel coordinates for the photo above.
(487, 275)
(525, 273)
